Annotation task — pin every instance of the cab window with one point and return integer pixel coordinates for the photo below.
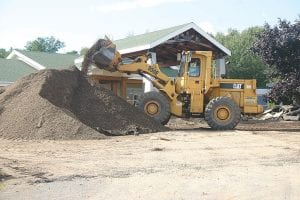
(194, 67)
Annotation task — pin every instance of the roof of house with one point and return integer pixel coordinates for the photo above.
(11, 70)
(169, 71)
(50, 60)
(152, 39)
(146, 38)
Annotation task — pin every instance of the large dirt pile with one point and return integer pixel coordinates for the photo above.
(61, 104)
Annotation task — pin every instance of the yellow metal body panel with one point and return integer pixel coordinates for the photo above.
(201, 88)
(194, 86)
(204, 88)
(162, 82)
(243, 92)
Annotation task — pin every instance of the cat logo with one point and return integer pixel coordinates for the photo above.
(153, 70)
(237, 86)
(232, 85)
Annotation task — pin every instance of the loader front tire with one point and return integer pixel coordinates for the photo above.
(222, 113)
(156, 105)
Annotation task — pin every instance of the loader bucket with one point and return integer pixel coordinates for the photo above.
(104, 57)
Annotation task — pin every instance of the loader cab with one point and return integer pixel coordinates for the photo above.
(190, 83)
(183, 60)
(194, 67)
(190, 68)
(190, 65)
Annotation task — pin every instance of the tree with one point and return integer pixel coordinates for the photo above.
(243, 64)
(279, 48)
(45, 44)
(3, 53)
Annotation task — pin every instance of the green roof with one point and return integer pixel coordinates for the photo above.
(51, 60)
(11, 70)
(144, 39)
(169, 71)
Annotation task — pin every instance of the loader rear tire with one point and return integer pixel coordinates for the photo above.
(222, 113)
(156, 105)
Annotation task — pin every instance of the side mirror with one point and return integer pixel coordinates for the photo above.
(188, 58)
(178, 56)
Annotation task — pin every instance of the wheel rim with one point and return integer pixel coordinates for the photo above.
(152, 108)
(223, 113)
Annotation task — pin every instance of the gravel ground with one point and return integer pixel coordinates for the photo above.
(183, 164)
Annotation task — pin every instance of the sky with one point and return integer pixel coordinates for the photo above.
(79, 23)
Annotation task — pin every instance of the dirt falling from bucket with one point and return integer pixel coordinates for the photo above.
(87, 61)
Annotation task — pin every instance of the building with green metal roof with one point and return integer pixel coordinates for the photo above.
(20, 63)
(169, 71)
(145, 39)
(43, 60)
(174, 39)
(51, 60)
(164, 45)
(12, 70)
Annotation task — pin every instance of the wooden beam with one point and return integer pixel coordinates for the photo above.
(105, 78)
(124, 87)
(134, 81)
(115, 87)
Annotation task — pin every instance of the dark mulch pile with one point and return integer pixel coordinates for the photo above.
(61, 104)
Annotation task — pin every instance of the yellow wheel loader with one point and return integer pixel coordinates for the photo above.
(193, 93)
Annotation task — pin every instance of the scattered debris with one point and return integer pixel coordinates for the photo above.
(285, 112)
(159, 138)
(291, 118)
(4, 176)
(294, 112)
(157, 149)
(267, 116)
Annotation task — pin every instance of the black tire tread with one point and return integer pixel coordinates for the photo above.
(165, 114)
(209, 113)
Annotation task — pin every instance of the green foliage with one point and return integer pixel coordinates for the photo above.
(243, 64)
(279, 48)
(3, 53)
(45, 44)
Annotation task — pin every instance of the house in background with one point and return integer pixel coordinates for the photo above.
(43, 60)
(11, 70)
(164, 45)
(124, 85)
(20, 63)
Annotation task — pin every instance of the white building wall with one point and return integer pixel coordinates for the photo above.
(147, 84)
